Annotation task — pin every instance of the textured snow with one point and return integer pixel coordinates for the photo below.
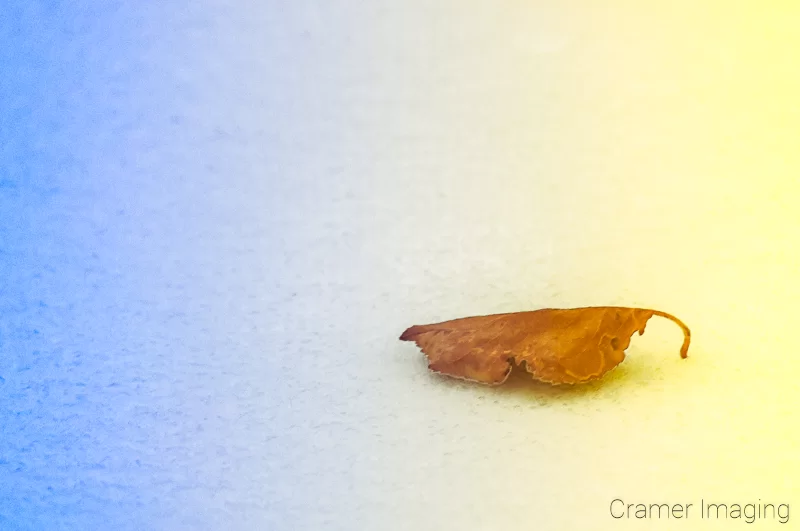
(216, 218)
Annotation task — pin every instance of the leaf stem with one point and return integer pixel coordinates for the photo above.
(687, 334)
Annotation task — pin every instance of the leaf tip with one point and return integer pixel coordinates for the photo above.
(411, 333)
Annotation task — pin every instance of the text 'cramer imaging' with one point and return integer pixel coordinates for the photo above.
(745, 512)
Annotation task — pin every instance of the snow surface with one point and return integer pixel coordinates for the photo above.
(217, 218)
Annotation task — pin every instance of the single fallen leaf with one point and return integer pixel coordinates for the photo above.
(557, 346)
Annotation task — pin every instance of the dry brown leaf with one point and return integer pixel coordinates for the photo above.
(557, 346)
